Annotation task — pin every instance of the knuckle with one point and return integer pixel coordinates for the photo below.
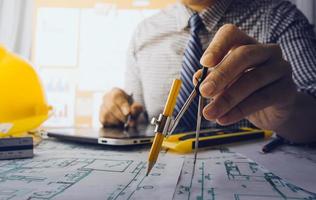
(111, 107)
(219, 76)
(217, 51)
(240, 112)
(245, 52)
(107, 107)
(227, 99)
(230, 28)
(116, 92)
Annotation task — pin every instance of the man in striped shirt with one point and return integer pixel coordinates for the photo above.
(262, 58)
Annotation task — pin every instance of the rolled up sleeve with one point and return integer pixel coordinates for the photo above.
(291, 29)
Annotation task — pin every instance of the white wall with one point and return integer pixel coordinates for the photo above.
(16, 21)
(15, 25)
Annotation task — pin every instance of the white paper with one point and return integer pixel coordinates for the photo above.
(221, 174)
(61, 171)
(72, 171)
(296, 164)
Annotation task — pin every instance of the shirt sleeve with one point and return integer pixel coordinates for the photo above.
(132, 76)
(291, 29)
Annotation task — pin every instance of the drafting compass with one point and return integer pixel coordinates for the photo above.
(195, 92)
(165, 125)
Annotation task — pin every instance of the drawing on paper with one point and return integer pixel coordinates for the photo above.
(68, 171)
(228, 175)
(94, 174)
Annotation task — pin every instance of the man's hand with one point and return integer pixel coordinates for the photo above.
(248, 80)
(116, 107)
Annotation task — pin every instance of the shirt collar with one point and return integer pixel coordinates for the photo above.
(210, 16)
(183, 15)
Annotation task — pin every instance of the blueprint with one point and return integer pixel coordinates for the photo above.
(221, 174)
(296, 164)
(71, 171)
(60, 171)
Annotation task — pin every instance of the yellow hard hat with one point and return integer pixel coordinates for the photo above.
(23, 105)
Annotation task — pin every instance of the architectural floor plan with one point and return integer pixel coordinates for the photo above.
(74, 173)
(70, 171)
(227, 175)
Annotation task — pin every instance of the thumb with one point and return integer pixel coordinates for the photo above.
(136, 109)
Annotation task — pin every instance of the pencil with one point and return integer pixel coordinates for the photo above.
(129, 116)
(273, 144)
(159, 136)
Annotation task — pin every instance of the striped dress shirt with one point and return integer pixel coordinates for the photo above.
(156, 50)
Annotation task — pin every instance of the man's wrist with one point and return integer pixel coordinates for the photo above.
(299, 126)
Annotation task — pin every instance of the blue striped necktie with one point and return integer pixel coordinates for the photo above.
(191, 63)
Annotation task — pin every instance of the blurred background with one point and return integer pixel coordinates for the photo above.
(78, 47)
